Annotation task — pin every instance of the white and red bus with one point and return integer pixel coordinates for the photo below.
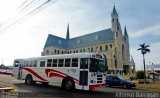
(84, 71)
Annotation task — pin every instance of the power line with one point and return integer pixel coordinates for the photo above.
(21, 17)
(26, 5)
(22, 4)
(31, 5)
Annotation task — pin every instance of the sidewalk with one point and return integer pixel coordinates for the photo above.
(149, 87)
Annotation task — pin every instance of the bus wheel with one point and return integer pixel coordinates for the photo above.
(29, 80)
(69, 84)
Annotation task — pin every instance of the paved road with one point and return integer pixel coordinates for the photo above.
(58, 92)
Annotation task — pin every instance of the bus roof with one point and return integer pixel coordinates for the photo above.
(73, 55)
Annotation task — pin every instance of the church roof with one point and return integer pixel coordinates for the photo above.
(85, 40)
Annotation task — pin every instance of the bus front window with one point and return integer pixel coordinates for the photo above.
(16, 63)
(97, 65)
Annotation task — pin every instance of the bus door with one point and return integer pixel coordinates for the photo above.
(84, 73)
(17, 69)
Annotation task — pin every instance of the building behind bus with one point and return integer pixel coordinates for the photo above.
(112, 42)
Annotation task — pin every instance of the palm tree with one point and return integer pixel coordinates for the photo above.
(144, 49)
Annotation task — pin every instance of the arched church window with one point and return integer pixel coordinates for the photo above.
(106, 47)
(116, 34)
(110, 46)
(100, 48)
(91, 49)
(76, 51)
(80, 50)
(55, 51)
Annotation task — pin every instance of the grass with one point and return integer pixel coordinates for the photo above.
(150, 87)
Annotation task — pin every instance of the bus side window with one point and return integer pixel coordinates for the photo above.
(27, 63)
(31, 63)
(54, 64)
(74, 62)
(42, 63)
(67, 62)
(84, 63)
(35, 63)
(24, 64)
(49, 62)
(60, 63)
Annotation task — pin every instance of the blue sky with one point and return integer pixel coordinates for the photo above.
(27, 37)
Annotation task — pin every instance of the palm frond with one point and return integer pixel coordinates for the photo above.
(139, 49)
(147, 46)
(144, 48)
(147, 50)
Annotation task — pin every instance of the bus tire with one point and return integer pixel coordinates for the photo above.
(68, 84)
(29, 80)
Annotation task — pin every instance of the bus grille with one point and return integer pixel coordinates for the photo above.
(99, 78)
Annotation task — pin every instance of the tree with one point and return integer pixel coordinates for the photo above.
(140, 74)
(144, 50)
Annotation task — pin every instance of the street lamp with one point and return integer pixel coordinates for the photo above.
(153, 73)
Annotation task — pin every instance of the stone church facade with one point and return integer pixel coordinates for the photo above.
(112, 42)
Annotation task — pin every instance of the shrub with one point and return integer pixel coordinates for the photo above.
(132, 78)
(140, 74)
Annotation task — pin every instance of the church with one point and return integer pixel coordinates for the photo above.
(112, 42)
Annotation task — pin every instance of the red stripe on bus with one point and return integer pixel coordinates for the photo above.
(52, 73)
(35, 74)
(91, 87)
(49, 70)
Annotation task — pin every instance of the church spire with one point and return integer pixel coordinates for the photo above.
(125, 31)
(114, 12)
(115, 21)
(132, 60)
(67, 35)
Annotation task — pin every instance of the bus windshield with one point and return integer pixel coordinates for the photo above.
(97, 65)
(16, 63)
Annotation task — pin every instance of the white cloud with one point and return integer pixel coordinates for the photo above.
(152, 30)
